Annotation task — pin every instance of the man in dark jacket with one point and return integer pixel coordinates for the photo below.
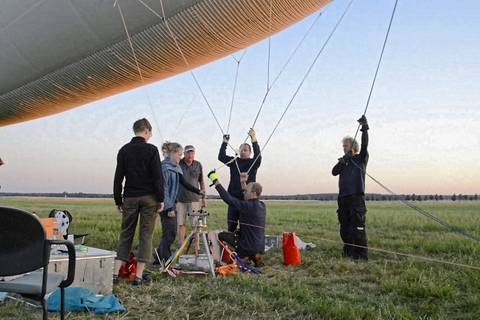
(138, 162)
(242, 163)
(249, 240)
(351, 198)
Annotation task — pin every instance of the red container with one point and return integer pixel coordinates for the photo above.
(291, 252)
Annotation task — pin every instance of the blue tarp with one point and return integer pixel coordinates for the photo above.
(81, 299)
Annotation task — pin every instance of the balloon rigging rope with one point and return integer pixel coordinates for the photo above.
(302, 82)
(269, 47)
(378, 64)
(177, 127)
(238, 61)
(282, 69)
(184, 58)
(116, 3)
(381, 250)
(405, 202)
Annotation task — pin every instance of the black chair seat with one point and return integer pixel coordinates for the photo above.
(31, 283)
(24, 250)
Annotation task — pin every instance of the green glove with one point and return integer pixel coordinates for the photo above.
(212, 175)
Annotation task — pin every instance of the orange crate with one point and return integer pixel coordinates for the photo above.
(51, 227)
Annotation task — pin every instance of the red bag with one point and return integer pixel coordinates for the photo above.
(291, 252)
(227, 254)
(129, 270)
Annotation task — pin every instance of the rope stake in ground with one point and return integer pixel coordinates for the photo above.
(302, 82)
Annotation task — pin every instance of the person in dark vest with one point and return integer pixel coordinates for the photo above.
(187, 201)
(239, 164)
(138, 162)
(249, 240)
(351, 168)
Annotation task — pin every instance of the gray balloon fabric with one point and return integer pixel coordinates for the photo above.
(59, 54)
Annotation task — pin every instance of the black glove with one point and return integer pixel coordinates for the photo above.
(363, 122)
(226, 138)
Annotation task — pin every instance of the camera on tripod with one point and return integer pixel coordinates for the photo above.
(199, 218)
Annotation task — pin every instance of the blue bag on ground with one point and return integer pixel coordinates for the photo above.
(81, 299)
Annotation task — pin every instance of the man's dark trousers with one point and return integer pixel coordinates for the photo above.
(351, 215)
(233, 216)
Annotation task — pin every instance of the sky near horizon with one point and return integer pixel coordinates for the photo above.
(424, 114)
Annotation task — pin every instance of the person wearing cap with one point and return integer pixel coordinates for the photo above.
(249, 240)
(351, 169)
(188, 201)
(243, 162)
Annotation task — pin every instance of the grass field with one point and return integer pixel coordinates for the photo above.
(325, 286)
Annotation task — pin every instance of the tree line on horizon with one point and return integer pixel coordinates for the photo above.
(318, 196)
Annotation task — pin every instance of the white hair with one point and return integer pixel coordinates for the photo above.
(353, 143)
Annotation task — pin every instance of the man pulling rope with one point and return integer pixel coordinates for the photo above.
(351, 197)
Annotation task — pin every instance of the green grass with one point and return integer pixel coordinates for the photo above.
(325, 286)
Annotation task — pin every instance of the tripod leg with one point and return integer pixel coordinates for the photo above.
(179, 252)
(209, 256)
(197, 244)
(190, 240)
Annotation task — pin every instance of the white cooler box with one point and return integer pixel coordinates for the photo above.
(93, 269)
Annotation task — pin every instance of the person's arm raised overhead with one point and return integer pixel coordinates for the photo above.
(256, 148)
(364, 148)
(222, 153)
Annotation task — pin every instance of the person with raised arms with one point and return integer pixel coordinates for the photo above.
(242, 163)
(351, 168)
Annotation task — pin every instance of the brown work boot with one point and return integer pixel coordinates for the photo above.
(258, 261)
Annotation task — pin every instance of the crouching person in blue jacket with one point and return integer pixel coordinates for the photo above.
(249, 240)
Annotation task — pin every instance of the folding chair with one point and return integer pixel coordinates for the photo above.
(25, 250)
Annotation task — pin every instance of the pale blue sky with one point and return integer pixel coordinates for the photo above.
(424, 114)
